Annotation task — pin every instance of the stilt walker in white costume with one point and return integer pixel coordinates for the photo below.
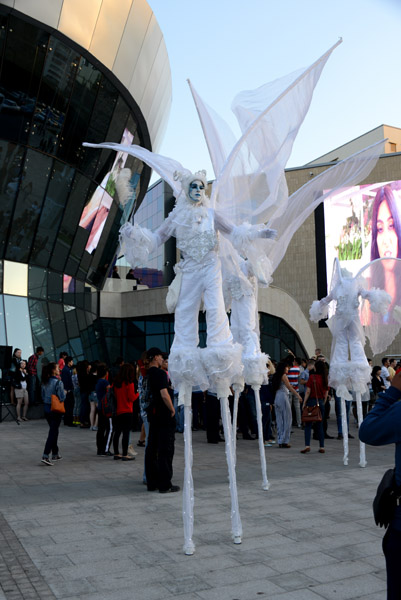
(196, 227)
(349, 368)
(250, 186)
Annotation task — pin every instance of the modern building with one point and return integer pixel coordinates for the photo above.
(137, 320)
(70, 72)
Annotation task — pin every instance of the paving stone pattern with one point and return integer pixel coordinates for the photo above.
(88, 528)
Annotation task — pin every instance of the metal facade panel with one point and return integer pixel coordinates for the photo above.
(109, 30)
(46, 11)
(78, 20)
(146, 60)
(132, 41)
(156, 81)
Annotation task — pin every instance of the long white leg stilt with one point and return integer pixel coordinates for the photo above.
(345, 430)
(362, 454)
(237, 391)
(265, 482)
(188, 490)
(236, 526)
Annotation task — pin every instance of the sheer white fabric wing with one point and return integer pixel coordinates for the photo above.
(164, 166)
(303, 202)
(382, 326)
(250, 183)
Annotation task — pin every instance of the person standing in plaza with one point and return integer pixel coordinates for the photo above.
(382, 426)
(293, 378)
(52, 385)
(161, 414)
(385, 374)
(281, 389)
(33, 379)
(66, 378)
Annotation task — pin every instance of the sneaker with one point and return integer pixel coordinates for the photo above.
(131, 451)
(58, 457)
(94, 428)
(173, 488)
(101, 454)
(46, 460)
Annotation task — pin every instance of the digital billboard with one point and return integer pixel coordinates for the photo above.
(96, 211)
(362, 223)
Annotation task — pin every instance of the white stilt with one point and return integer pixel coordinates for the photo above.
(362, 453)
(265, 482)
(345, 430)
(188, 491)
(236, 526)
(237, 391)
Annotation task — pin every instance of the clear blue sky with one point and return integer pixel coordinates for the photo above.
(225, 46)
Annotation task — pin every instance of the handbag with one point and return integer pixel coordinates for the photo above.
(311, 413)
(386, 499)
(57, 406)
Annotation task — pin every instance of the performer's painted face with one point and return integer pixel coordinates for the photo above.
(196, 191)
(387, 240)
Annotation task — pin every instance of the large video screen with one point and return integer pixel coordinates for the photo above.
(96, 211)
(362, 223)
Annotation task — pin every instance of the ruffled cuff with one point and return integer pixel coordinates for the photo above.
(379, 300)
(137, 243)
(317, 311)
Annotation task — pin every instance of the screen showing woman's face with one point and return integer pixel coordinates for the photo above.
(387, 240)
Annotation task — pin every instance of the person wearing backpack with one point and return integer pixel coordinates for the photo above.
(381, 426)
(124, 390)
(52, 386)
(104, 412)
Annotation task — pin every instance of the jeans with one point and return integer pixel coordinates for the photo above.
(308, 424)
(337, 400)
(31, 386)
(267, 421)
(391, 551)
(69, 408)
(122, 424)
(103, 432)
(54, 420)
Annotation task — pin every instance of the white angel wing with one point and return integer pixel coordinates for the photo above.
(303, 202)
(380, 317)
(164, 166)
(250, 184)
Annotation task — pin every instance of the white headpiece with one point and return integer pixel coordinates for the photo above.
(187, 178)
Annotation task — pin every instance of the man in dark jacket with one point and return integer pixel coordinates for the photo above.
(66, 378)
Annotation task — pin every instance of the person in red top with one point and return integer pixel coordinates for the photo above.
(317, 389)
(125, 394)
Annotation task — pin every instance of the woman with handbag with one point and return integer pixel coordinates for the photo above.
(21, 391)
(53, 396)
(317, 389)
(281, 389)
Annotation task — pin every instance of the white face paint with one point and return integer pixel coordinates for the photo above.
(196, 191)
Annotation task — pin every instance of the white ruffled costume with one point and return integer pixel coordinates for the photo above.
(196, 228)
(349, 368)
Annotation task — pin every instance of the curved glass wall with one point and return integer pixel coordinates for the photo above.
(61, 205)
(131, 337)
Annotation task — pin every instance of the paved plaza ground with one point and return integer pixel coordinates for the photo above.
(88, 528)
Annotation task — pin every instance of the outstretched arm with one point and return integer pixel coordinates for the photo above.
(138, 243)
(319, 309)
(379, 300)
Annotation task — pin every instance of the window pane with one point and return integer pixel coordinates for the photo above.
(3, 338)
(59, 74)
(37, 283)
(35, 176)
(60, 337)
(25, 50)
(70, 221)
(15, 278)
(41, 329)
(11, 159)
(55, 287)
(18, 324)
(52, 213)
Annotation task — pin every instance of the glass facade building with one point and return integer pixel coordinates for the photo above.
(61, 205)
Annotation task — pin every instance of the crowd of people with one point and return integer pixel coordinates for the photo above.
(293, 383)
